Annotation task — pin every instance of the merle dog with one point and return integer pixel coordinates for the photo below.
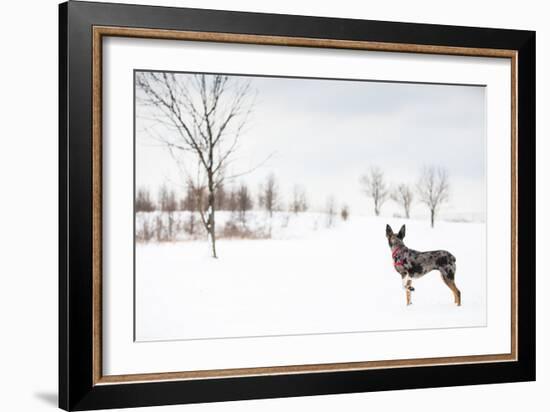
(411, 264)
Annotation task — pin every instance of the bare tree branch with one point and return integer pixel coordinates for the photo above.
(374, 186)
(403, 196)
(433, 189)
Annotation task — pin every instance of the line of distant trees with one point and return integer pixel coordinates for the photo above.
(432, 189)
(235, 199)
(238, 199)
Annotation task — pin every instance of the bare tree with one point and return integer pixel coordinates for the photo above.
(403, 196)
(330, 211)
(190, 224)
(160, 234)
(201, 115)
(194, 198)
(244, 202)
(299, 200)
(374, 186)
(232, 201)
(166, 203)
(344, 212)
(269, 195)
(167, 200)
(144, 203)
(221, 197)
(433, 189)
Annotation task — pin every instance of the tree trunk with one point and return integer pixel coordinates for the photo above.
(210, 220)
(432, 216)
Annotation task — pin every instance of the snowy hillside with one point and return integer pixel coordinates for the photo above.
(303, 278)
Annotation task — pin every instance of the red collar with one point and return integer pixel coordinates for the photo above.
(396, 260)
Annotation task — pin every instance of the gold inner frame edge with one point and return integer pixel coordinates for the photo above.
(99, 32)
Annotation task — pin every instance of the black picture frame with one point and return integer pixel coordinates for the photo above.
(77, 390)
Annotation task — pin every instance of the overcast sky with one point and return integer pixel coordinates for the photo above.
(324, 134)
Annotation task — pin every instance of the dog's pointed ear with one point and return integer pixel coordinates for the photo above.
(401, 233)
(389, 231)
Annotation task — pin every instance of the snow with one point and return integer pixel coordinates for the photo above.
(305, 279)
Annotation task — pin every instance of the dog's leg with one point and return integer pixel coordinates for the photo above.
(408, 288)
(451, 284)
(456, 292)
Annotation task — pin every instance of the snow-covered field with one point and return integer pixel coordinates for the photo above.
(305, 279)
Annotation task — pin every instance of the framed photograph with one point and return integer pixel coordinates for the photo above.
(256, 205)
